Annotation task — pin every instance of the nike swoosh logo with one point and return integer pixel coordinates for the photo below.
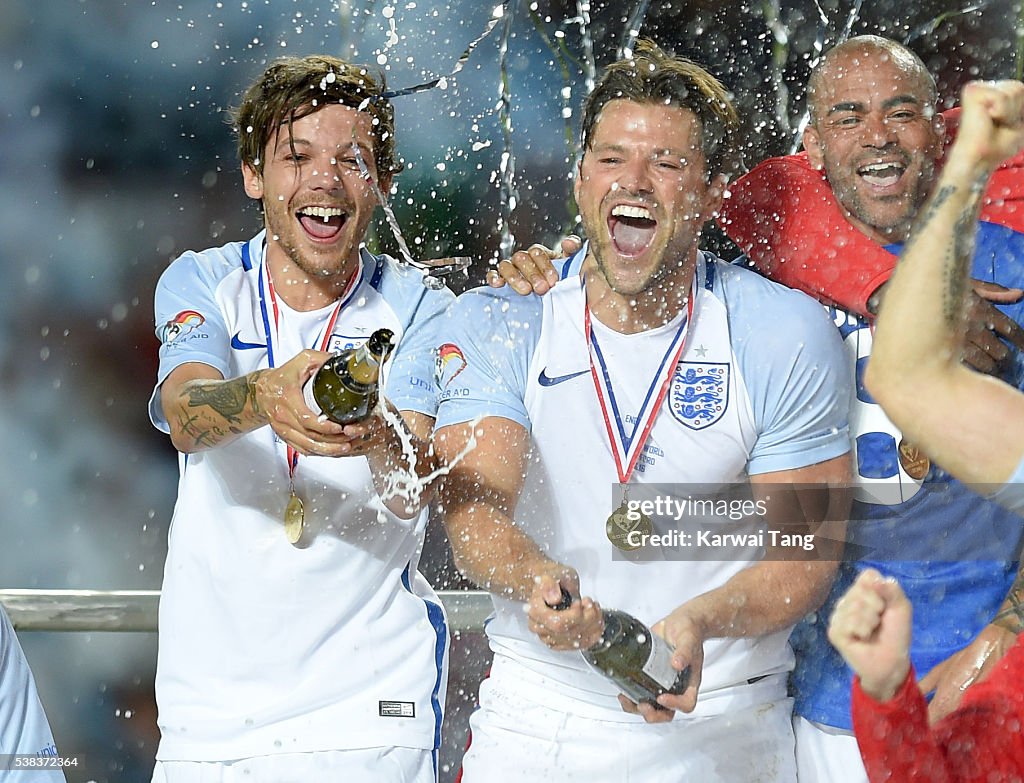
(238, 345)
(546, 380)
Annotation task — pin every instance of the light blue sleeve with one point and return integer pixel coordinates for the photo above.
(487, 342)
(791, 359)
(1011, 494)
(189, 322)
(571, 266)
(23, 725)
(421, 311)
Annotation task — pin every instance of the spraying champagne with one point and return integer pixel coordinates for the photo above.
(345, 388)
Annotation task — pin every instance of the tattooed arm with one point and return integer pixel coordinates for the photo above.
(970, 424)
(205, 410)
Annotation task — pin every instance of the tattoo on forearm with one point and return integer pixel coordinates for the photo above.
(957, 256)
(1012, 618)
(217, 407)
(227, 398)
(924, 221)
(194, 428)
(957, 260)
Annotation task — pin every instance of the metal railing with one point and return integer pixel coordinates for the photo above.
(136, 610)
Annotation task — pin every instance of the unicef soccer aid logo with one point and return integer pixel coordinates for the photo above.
(699, 394)
(179, 326)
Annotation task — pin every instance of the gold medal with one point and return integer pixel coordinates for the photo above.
(913, 460)
(293, 519)
(622, 523)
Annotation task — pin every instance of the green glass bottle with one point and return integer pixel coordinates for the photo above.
(638, 661)
(635, 659)
(344, 389)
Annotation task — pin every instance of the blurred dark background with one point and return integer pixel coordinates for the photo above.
(116, 157)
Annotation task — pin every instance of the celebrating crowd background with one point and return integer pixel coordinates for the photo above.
(115, 157)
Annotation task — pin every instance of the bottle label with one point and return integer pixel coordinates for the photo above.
(659, 663)
(307, 395)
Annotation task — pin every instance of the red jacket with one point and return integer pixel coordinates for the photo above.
(783, 215)
(982, 741)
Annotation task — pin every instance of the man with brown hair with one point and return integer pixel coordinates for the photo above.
(298, 642)
(662, 366)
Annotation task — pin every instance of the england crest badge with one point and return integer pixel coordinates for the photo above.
(699, 394)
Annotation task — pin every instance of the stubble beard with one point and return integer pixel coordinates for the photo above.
(315, 266)
(894, 228)
(616, 285)
(604, 250)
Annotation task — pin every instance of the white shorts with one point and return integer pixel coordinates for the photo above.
(517, 738)
(826, 755)
(365, 765)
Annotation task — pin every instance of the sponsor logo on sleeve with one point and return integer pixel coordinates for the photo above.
(179, 326)
(450, 362)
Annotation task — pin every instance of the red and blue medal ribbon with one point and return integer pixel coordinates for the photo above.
(626, 449)
(270, 310)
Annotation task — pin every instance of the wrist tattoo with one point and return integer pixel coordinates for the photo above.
(251, 384)
(1012, 617)
(957, 259)
(958, 255)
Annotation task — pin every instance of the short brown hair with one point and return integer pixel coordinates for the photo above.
(653, 76)
(294, 87)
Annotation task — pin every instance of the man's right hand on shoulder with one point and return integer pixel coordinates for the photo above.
(531, 271)
(991, 336)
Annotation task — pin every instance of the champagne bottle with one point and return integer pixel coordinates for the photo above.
(629, 654)
(344, 389)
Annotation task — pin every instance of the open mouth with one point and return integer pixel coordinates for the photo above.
(322, 222)
(632, 229)
(882, 175)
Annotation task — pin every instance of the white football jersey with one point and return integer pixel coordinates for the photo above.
(266, 647)
(24, 729)
(760, 387)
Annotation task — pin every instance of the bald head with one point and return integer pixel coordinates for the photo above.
(875, 133)
(864, 53)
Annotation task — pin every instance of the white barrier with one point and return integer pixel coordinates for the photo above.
(136, 610)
